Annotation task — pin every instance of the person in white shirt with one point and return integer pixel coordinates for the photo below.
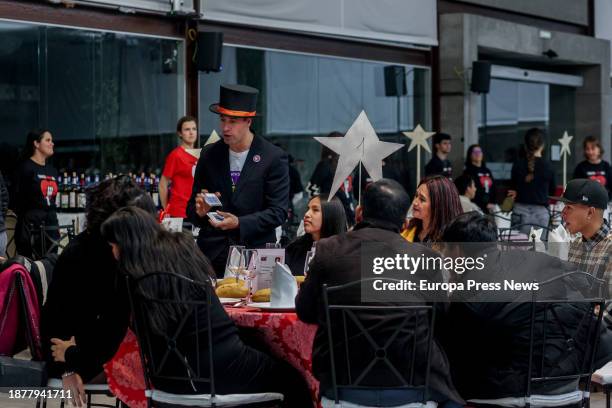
(467, 191)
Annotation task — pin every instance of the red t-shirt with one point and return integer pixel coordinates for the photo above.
(179, 169)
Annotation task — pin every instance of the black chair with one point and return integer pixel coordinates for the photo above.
(506, 234)
(165, 368)
(572, 388)
(49, 239)
(363, 338)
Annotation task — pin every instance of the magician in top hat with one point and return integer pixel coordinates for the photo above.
(248, 175)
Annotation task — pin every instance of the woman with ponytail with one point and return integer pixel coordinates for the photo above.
(533, 180)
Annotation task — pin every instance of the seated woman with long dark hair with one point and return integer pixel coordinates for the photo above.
(436, 203)
(323, 219)
(141, 246)
(86, 314)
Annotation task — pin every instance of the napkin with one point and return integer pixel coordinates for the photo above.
(284, 287)
(535, 235)
(559, 241)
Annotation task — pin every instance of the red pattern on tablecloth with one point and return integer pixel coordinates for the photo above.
(287, 337)
(124, 373)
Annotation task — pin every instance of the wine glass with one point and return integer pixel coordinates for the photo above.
(249, 259)
(234, 264)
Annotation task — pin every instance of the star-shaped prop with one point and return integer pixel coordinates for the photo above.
(565, 151)
(214, 137)
(565, 141)
(418, 138)
(359, 145)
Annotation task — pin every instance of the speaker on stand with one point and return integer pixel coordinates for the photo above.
(395, 85)
(209, 51)
(481, 83)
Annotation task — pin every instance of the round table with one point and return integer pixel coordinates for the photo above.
(287, 337)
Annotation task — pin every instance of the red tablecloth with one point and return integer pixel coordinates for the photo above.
(287, 337)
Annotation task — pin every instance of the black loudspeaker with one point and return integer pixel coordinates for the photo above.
(481, 76)
(209, 54)
(395, 80)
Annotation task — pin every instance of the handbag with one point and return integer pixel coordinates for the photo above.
(19, 373)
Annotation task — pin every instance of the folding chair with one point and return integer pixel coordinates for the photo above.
(361, 340)
(581, 341)
(194, 373)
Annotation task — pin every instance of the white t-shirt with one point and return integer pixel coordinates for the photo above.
(236, 162)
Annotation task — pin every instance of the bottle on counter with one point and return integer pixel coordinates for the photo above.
(72, 194)
(58, 196)
(64, 196)
(155, 190)
(81, 197)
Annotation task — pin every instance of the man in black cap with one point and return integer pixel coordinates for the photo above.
(585, 201)
(439, 163)
(248, 174)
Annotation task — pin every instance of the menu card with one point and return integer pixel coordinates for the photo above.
(266, 261)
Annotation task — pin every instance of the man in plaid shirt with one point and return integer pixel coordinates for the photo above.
(585, 201)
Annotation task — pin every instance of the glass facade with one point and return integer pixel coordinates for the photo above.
(305, 95)
(110, 100)
(512, 107)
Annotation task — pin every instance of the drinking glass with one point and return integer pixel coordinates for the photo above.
(234, 265)
(249, 259)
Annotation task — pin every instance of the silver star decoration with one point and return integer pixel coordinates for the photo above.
(418, 137)
(359, 145)
(565, 141)
(214, 137)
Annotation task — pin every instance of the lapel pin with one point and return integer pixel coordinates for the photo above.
(257, 158)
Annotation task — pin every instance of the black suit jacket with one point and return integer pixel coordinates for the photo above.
(260, 201)
(338, 261)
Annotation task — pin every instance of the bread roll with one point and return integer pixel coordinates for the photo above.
(262, 295)
(232, 290)
(230, 281)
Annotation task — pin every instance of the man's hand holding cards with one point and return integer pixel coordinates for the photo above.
(205, 201)
(223, 220)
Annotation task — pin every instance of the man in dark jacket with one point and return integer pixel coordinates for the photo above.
(4, 201)
(249, 175)
(338, 261)
(488, 341)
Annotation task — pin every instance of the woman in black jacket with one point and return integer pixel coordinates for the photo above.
(140, 246)
(322, 219)
(86, 314)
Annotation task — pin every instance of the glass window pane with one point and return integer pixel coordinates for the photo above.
(110, 100)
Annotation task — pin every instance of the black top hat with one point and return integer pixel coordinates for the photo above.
(238, 101)
(585, 191)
